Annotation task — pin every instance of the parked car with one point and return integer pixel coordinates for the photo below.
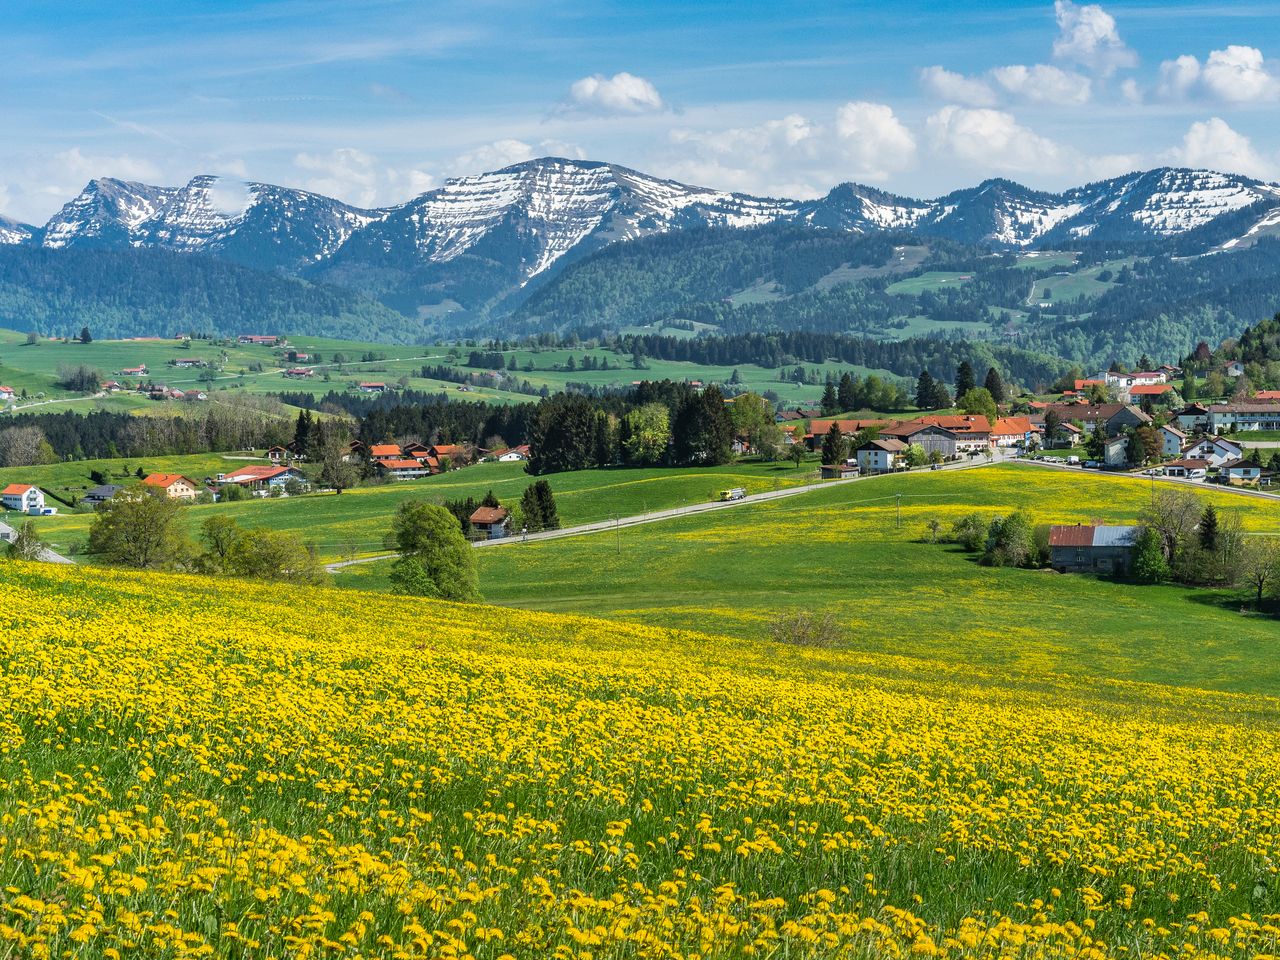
(1073, 460)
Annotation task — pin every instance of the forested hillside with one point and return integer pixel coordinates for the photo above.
(130, 293)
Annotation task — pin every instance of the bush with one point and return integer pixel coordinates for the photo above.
(970, 532)
(802, 628)
(1010, 542)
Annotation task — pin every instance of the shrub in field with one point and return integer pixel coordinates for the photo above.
(803, 628)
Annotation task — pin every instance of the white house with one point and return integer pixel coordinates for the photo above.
(1117, 451)
(22, 497)
(515, 454)
(1172, 440)
(1235, 369)
(1214, 449)
(880, 456)
(1242, 471)
(1250, 415)
(6, 394)
(1193, 415)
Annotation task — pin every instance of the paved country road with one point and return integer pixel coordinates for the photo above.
(659, 515)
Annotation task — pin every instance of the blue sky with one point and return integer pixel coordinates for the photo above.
(374, 101)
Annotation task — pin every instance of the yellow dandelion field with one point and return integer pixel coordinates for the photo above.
(237, 770)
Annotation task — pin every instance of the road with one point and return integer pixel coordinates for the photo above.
(657, 516)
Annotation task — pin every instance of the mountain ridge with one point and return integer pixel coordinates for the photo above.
(479, 244)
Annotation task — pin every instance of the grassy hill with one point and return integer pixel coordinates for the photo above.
(256, 770)
(842, 550)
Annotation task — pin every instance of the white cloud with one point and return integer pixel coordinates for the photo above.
(957, 88)
(493, 156)
(1213, 144)
(994, 140)
(874, 140)
(623, 94)
(229, 196)
(795, 157)
(1237, 74)
(1042, 83)
(1087, 35)
(359, 178)
(80, 167)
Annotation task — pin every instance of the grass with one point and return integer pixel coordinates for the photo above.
(200, 767)
(929, 280)
(842, 550)
(356, 521)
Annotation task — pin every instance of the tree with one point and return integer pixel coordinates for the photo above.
(941, 396)
(1010, 541)
(23, 447)
(1189, 386)
(531, 509)
(435, 558)
(1095, 445)
(26, 545)
(140, 528)
(562, 434)
(995, 385)
(846, 394)
(702, 430)
(219, 535)
(1173, 514)
(1260, 569)
(970, 531)
(85, 335)
(547, 505)
(336, 469)
(490, 500)
(925, 392)
(32, 338)
(1149, 563)
(1052, 423)
(978, 401)
(648, 434)
(830, 400)
(964, 378)
(916, 456)
(603, 445)
(1208, 529)
(796, 454)
(833, 445)
(275, 555)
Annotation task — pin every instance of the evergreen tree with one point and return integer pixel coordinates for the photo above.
(547, 505)
(531, 509)
(847, 393)
(703, 430)
(85, 335)
(603, 441)
(1209, 529)
(562, 434)
(995, 385)
(490, 500)
(302, 431)
(964, 378)
(830, 401)
(833, 446)
(1149, 563)
(925, 394)
(941, 396)
(1189, 386)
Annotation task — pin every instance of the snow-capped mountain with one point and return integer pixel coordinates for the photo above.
(255, 224)
(480, 239)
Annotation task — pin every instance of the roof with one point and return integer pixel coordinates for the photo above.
(1010, 426)
(959, 423)
(1239, 464)
(1174, 430)
(1245, 408)
(104, 492)
(817, 427)
(4, 389)
(1189, 463)
(888, 444)
(447, 449)
(166, 480)
(1084, 384)
(489, 515)
(255, 472)
(1093, 411)
(1260, 395)
(373, 384)
(1092, 535)
(385, 450)
(402, 464)
(1149, 389)
(15, 489)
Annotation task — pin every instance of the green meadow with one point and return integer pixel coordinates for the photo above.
(853, 551)
(356, 521)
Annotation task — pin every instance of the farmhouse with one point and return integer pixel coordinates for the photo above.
(372, 387)
(490, 521)
(1092, 548)
(278, 454)
(514, 454)
(1013, 431)
(174, 485)
(186, 363)
(933, 438)
(1234, 369)
(838, 471)
(401, 468)
(1113, 417)
(456, 453)
(880, 455)
(1194, 416)
(299, 373)
(385, 451)
(99, 495)
(6, 394)
(1147, 391)
(259, 477)
(139, 371)
(22, 497)
(259, 340)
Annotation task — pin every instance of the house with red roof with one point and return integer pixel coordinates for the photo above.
(1092, 548)
(1013, 431)
(262, 479)
(1187, 468)
(385, 451)
(491, 522)
(404, 468)
(373, 387)
(174, 485)
(22, 497)
(6, 394)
